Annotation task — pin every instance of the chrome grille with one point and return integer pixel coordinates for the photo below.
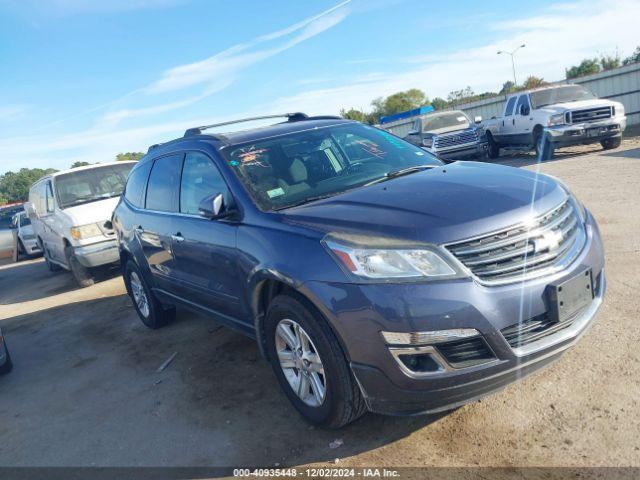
(534, 329)
(524, 251)
(589, 114)
(457, 138)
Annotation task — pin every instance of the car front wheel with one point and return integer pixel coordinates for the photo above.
(7, 366)
(82, 274)
(310, 365)
(611, 143)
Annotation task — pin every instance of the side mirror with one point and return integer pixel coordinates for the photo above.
(30, 208)
(213, 206)
(477, 119)
(524, 110)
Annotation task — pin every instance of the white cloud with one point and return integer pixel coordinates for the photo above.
(11, 112)
(559, 38)
(228, 63)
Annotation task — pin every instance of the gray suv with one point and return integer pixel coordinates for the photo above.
(372, 276)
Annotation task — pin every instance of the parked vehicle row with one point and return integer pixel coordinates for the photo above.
(372, 276)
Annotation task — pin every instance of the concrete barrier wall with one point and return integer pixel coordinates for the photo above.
(620, 84)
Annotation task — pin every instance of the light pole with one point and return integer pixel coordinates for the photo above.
(513, 65)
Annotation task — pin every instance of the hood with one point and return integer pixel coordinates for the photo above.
(441, 205)
(452, 128)
(93, 212)
(578, 105)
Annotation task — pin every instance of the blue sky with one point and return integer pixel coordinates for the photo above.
(87, 79)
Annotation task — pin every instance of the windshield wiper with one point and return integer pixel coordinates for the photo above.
(400, 173)
(308, 200)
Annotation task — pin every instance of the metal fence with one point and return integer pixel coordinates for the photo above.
(619, 84)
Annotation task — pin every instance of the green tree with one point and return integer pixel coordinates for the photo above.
(588, 66)
(439, 103)
(14, 186)
(533, 82)
(607, 62)
(507, 88)
(80, 164)
(135, 156)
(358, 115)
(399, 102)
(633, 58)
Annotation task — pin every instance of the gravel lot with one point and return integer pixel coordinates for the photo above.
(85, 390)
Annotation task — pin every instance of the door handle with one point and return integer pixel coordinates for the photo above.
(177, 237)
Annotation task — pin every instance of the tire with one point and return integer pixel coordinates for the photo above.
(8, 364)
(21, 249)
(611, 143)
(82, 274)
(53, 267)
(341, 401)
(543, 147)
(152, 313)
(493, 150)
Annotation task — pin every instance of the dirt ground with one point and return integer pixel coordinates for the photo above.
(85, 390)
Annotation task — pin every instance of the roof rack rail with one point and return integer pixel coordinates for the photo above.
(291, 117)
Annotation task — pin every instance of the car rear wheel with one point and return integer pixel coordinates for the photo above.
(310, 365)
(611, 143)
(8, 364)
(152, 313)
(82, 274)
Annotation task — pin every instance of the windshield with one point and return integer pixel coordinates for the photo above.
(6, 216)
(567, 93)
(84, 186)
(302, 166)
(444, 120)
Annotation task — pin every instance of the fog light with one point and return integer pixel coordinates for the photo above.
(420, 363)
(428, 338)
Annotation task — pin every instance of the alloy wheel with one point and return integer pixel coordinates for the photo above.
(300, 362)
(139, 295)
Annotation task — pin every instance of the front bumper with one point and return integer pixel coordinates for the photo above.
(459, 304)
(477, 150)
(584, 133)
(97, 254)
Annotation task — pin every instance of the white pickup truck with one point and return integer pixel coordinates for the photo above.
(550, 117)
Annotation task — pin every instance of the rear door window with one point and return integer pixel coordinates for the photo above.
(164, 184)
(523, 100)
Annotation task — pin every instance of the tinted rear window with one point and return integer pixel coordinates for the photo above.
(137, 183)
(164, 183)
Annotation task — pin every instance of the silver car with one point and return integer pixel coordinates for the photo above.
(27, 242)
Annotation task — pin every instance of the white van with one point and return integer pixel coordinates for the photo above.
(70, 213)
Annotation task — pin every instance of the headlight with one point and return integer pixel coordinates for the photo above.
(556, 120)
(427, 142)
(86, 231)
(618, 110)
(390, 263)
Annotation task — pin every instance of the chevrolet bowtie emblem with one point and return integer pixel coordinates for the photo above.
(548, 241)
